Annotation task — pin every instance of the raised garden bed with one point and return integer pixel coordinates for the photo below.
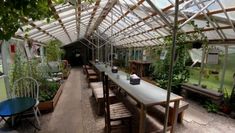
(48, 106)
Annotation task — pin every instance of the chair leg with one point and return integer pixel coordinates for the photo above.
(130, 126)
(36, 116)
(38, 111)
(12, 121)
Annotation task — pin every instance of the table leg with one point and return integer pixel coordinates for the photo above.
(175, 115)
(142, 119)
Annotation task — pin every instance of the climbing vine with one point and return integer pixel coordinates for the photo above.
(160, 68)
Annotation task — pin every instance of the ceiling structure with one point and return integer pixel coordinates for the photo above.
(133, 23)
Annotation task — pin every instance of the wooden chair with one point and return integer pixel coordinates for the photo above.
(116, 115)
(97, 92)
(28, 87)
(91, 76)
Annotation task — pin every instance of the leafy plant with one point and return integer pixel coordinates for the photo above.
(19, 68)
(47, 92)
(160, 68)
(227, 98)
(53, 51)
(211, 107)
(14, 14)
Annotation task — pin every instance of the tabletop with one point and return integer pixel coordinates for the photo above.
(144, 93)
(16, 105)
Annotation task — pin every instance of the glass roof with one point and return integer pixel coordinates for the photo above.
(132, 23)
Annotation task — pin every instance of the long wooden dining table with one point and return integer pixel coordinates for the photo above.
(145, 94)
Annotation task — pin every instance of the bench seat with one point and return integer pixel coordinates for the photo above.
(182, 107)
(202, 91)
(97, 92)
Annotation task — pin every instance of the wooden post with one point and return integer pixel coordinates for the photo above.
(98, 48)
(202, 64)
(224, 69)
(142, 119)
(174, 36)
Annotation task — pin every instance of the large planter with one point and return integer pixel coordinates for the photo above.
(49, 106)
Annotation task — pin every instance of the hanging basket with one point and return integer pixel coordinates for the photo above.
(197, 44)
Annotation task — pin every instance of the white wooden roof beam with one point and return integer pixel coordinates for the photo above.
(103, 14)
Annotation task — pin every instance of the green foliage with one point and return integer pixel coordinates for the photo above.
(227, 97)
(19, 68)
(211, 107)
(12, 13)
(53, 51)
(180, 71)
(26, 68)
(197, 35)
(47, 92)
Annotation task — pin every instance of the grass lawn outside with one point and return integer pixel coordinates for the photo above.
(213, 80)
(3, 94)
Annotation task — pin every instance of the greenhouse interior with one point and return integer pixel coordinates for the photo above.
(147, 66)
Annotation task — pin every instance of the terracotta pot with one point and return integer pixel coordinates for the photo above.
(226, 109)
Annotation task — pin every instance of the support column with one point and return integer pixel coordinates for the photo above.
(174, 39)
(111, 63)
(224, 69)
(93, 53)
(98, 49)
(202, 65)
(42, 54)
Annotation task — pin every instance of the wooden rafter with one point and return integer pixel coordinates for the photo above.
(40, 29)
(201, 16)
(189, 32)
(78, 17)
(102, 16)
(225, 42)
(140, 41)
(22, 38)
(130, 21)
(125, 14)
(146, 18)
(57, 17)
(92, 15)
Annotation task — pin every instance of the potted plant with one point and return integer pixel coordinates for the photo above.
(225, 106)
(197, 44)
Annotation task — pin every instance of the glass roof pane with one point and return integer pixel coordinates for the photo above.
(230, 34)
(211, 35)
(69, 12)
(68, 18)
(161, 3)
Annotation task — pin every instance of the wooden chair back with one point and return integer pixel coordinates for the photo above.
(26, 87)
(106, 100)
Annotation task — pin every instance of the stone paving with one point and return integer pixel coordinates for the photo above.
(75, 113)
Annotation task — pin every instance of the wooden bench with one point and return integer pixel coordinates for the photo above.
(182, 107)
(91, 76)
(84, 67)
(97, 92)
(214, 95)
